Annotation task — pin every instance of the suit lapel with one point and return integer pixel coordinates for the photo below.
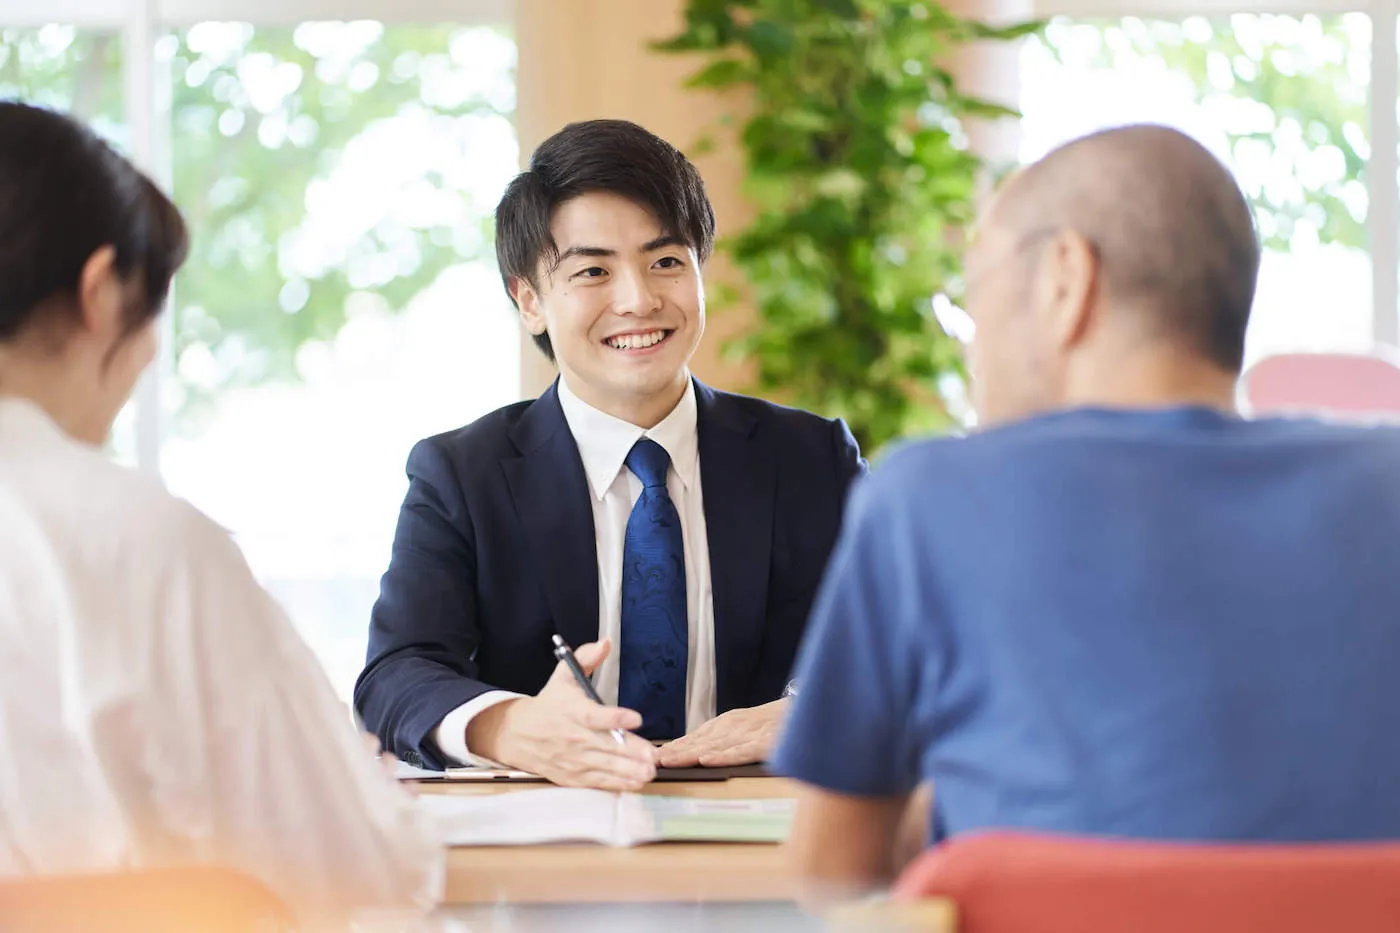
(550, 492)
(738, 470)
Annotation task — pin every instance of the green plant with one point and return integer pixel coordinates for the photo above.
(857, 165)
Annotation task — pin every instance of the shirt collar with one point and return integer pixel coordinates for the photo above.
(604, 441)
(29, 416)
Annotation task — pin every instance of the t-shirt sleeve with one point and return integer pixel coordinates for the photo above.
(860, 668)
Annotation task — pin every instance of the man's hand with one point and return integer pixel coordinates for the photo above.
(563, 736)
(739, 737)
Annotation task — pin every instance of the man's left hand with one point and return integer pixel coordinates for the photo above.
(739, 737)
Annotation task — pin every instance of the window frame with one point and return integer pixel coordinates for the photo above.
(146, 96)
(1383, 191)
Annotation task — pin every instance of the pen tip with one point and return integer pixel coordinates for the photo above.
(558, 642)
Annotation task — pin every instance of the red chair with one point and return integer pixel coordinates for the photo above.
(207, 900)
(1339, 385)
(1005, 882)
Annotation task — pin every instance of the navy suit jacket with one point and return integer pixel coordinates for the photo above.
(495, 552)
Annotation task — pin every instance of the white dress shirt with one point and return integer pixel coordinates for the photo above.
(603, 444)
(157, 709)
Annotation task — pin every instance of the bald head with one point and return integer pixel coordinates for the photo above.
(1173, 233)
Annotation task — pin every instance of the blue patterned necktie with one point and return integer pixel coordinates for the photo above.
(655, 624)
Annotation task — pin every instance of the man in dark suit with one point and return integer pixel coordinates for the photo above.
(675, 533)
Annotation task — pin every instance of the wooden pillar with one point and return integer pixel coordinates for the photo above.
(991, 70)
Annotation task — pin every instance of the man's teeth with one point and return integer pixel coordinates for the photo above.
(637, 341)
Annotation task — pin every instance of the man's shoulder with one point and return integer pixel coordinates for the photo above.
(487, 436)
(1352, 453)
(1070, 443)
(1380, 435)
(771, 416)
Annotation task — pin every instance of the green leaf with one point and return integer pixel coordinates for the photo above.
(769, 39)
(1005, 33)
(977, 107)
(721, 73)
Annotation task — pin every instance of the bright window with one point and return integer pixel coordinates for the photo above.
(1281, 99)
(342, 299)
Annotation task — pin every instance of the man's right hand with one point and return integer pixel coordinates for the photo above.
(563, 736)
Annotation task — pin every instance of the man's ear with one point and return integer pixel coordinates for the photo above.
(1066, 287)
(528, 301)
(100, 294)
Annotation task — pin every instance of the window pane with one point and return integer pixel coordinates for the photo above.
(341, 301)
(1280, 99)
(74, 70)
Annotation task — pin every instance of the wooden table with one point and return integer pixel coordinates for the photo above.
(592, 874)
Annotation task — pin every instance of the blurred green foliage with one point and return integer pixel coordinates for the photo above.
(857, 164)
(1290, 93)
(260, 120)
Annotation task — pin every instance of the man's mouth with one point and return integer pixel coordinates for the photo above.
(639, 341)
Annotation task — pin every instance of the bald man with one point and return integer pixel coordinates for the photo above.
(1117, 608)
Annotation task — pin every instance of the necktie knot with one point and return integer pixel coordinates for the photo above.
(649, 461)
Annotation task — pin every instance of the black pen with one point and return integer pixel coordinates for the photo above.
(563, 652)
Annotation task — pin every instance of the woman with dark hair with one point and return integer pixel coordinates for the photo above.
(156, 707)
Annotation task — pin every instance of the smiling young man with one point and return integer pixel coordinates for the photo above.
(675, 533)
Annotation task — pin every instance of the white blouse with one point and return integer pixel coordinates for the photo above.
(158, 709)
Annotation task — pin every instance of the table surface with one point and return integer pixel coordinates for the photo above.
(666, 872)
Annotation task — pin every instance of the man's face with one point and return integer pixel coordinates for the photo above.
(624, 308)
(1010, 358)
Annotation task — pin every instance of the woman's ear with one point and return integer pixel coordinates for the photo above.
(101, 307)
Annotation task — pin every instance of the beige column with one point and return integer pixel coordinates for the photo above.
(991, 70)
(586, 59)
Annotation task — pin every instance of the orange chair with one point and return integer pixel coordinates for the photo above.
(1006, 882)
(207, 900)
(1339, 385)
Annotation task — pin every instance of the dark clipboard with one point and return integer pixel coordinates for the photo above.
(663, 775)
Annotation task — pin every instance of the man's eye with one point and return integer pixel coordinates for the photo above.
(592, 272)
(669, 262)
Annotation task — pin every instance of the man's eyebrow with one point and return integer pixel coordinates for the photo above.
(572, 251)
(661, 242)
(585, 251)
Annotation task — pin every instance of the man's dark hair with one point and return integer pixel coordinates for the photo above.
(65, 194)
(613, 156)
(1173, 230)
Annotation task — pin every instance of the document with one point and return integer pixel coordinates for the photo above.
(576, 815)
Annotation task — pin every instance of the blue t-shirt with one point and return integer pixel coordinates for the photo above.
(1167, 624)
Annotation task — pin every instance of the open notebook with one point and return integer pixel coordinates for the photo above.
(571, 815)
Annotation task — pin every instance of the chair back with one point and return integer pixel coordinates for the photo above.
(1003, 882)
(1351, 387)
(209, 900)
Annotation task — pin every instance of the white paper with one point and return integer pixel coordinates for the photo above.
(526, 817)
(571, 815)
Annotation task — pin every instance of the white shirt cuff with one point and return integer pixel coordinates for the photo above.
(451, 733)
